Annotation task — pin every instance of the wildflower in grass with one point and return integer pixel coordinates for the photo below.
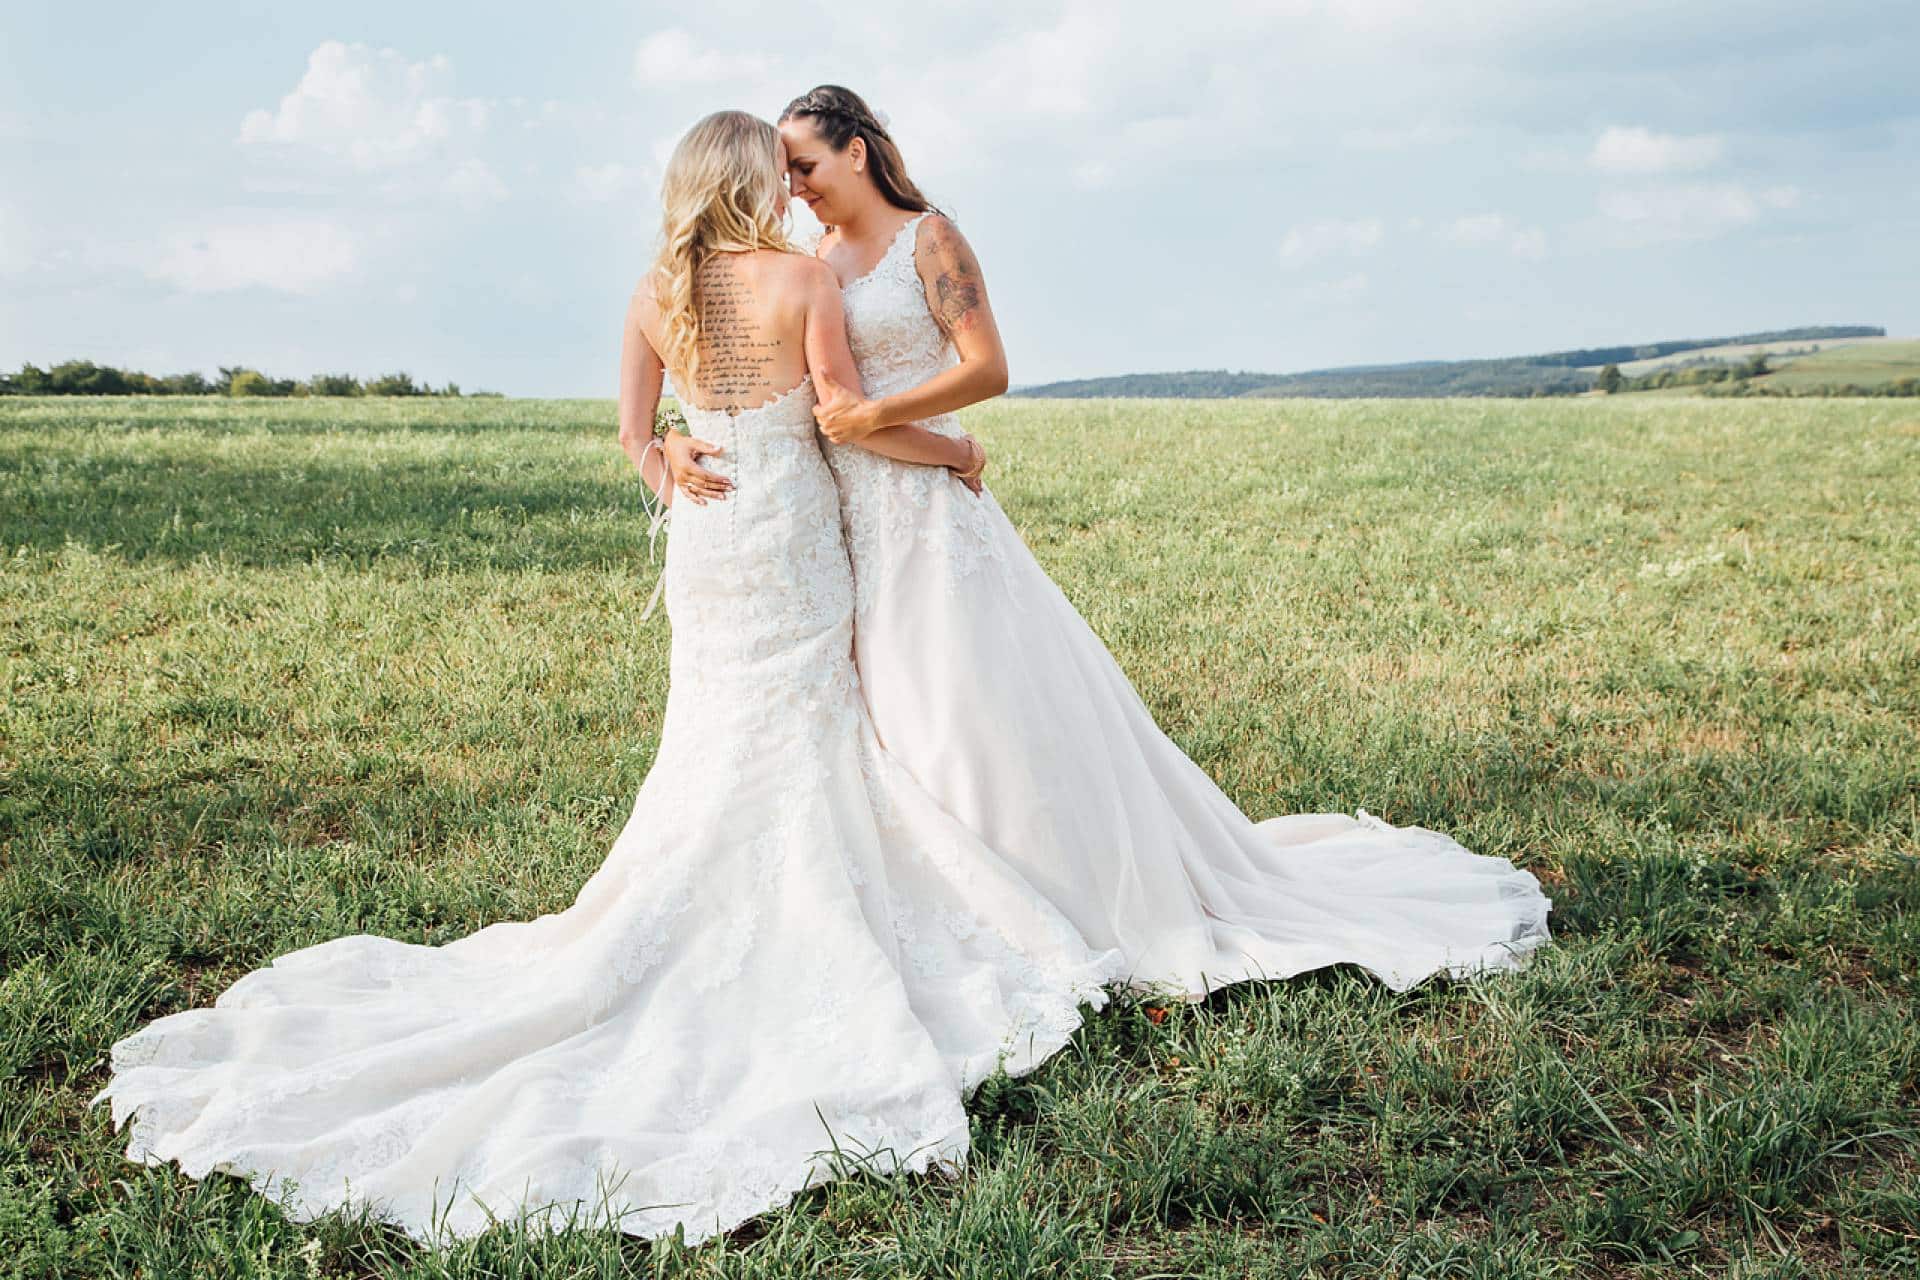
(1682, 566)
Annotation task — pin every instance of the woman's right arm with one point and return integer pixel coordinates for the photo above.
(641, 374)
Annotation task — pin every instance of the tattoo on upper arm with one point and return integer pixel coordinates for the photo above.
(957, 296)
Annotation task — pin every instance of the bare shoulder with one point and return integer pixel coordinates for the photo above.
(811, 270)
(784, 284)
(937, 239)
(807, 277)
(643, 307)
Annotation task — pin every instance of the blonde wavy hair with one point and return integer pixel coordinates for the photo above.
(720, 194)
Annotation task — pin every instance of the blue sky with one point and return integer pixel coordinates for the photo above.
(466, 191)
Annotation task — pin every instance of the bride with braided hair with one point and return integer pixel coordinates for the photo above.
(987, 684)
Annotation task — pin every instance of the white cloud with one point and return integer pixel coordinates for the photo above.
(552, 113)
(1633, 150)
(682, 79)
(1496, 229)
(289, 254)
(1529, 243)
(1092, 175)
(17, 252)
(1080, 88)
(1479, 228)
(1160, 131)
(672, 57)
(1332, 292)
(1696, 211)
(1402, 137)
(474, 182)
(662, 152)
(1313, 241)
(371, 107)
(612, 181)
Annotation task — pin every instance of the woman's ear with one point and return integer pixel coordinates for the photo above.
(857, 153)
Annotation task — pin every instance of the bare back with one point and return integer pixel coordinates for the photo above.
(768, 320)
(753, 310)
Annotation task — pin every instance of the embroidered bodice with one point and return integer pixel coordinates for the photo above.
(889, 508)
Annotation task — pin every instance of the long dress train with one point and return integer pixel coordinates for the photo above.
(985, 681)
(790, 949)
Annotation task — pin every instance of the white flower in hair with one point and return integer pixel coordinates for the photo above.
(882, 119)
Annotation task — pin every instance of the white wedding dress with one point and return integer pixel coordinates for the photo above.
(986, 683)
(790, 948)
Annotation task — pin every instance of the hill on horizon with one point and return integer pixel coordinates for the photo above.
(1569, 372)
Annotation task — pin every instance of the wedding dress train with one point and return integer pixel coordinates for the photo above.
(790, 948)
(985, 681)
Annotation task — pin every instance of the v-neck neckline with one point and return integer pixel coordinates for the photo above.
(892, 244)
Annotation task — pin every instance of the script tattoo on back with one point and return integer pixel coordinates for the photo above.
(957, 295)
(735, 363)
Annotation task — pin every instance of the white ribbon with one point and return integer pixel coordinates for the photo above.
(656, 516)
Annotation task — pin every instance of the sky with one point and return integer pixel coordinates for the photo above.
(467, 192)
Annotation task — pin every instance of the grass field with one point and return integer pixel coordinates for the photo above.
(280, 671)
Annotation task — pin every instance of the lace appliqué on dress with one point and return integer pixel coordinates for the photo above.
(886, 506)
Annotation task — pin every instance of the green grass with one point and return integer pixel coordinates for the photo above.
(1866, 365)
(277, 672)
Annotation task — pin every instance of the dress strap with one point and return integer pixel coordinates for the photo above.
(905, 235)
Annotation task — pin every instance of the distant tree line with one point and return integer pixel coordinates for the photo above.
(1907, 385)
(1738, 379)
(1507, 378)
(1198, 384)
(1590, 356)
(1430, 378)
(1554, 373)
(1692, 374)
(85, 378)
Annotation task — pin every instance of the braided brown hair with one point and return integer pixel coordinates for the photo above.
(841, 115)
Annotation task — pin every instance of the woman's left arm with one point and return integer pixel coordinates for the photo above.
(957, 297)
(641, 376)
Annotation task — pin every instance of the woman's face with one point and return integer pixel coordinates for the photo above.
(817, 174)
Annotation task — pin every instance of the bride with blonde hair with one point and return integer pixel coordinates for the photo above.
(791, 961)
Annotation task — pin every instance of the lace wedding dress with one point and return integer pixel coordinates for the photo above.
(790, 948)
(986, 683)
